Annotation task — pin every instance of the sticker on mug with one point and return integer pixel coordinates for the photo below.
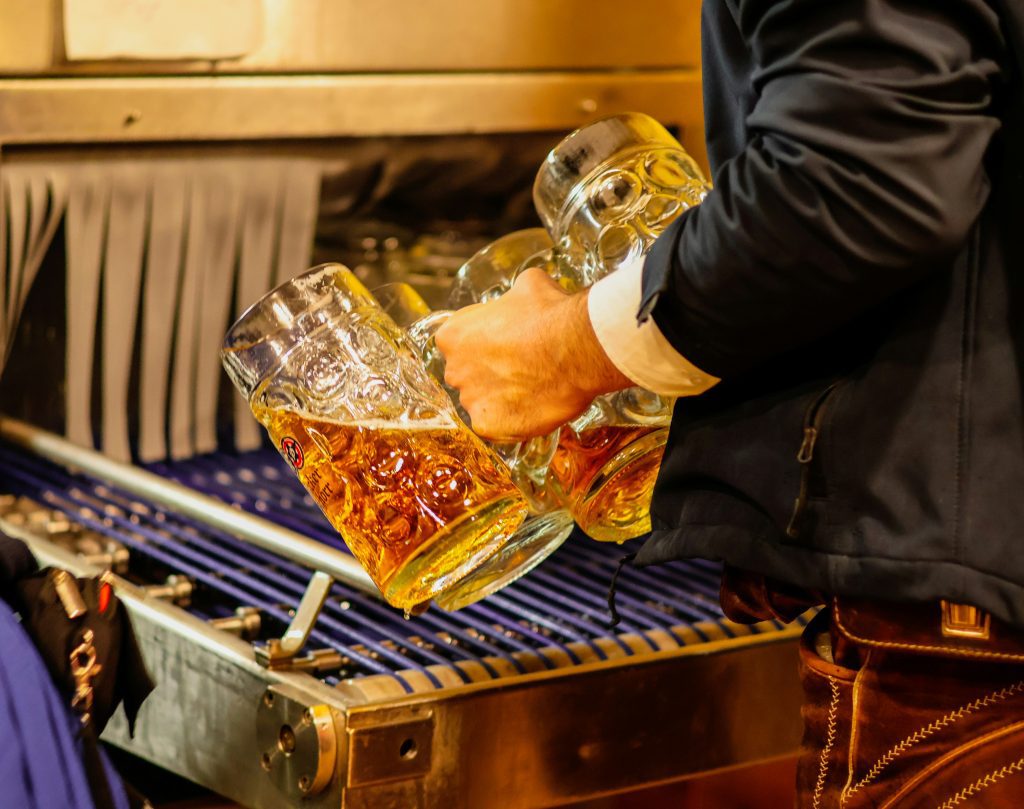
(292, 452)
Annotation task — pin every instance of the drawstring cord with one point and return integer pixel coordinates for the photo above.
(614, 613)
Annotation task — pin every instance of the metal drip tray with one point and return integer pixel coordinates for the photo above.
(526, 699)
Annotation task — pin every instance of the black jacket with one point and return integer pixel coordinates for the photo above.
(857, 280)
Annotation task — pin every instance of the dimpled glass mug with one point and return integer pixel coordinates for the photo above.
(489, 273)
(605, 193)
(609, 189)
(604, 465)
(419, 499)
(548, 524)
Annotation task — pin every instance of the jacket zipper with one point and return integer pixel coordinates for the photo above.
(804, 456)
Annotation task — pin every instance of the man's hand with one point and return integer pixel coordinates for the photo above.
(527, 362)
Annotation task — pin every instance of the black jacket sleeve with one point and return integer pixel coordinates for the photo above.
(863, 170)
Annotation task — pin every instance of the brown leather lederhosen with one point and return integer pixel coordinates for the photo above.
(906, 706)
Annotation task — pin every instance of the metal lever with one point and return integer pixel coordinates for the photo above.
(278, 653)
(313, 599)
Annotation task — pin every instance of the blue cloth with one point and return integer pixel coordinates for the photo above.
(40, 753)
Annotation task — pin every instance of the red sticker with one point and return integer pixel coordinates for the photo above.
(104, 597)
(292, 451)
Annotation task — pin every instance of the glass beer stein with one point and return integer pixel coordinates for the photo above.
(418, 498)
(547, 525)
(490, 272)
(605, 463)
(609, 189)
(605, 193)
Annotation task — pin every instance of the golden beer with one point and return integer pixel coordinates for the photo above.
(605, 194)
(606, 475)
(420, 505)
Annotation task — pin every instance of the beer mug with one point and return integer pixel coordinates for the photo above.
(489, 273)
(607, 462)
(419, 499)
(609, 189)
(605, 193)
(547, 525)
(604, 466)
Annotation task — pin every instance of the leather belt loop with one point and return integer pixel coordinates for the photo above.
(963, 631)
(965, 621)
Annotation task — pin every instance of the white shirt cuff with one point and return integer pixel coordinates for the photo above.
(640, 351)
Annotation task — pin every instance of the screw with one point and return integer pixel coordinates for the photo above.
(268, 699)
(265, 761)
(286, 740)
(305, 784)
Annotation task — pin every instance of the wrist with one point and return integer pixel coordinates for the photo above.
(589, 369)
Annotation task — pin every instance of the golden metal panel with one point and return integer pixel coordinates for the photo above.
(244, 108)
(553, 737)
(400, 35)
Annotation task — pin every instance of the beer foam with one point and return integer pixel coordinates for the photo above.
(438, 422)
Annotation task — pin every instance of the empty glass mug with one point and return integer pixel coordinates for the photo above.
(418, 498)
(489, 273)
(605, 193)
(609, 189)
(547, 525)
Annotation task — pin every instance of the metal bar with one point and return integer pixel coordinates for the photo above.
(308, 520)
(235, 108)
(182, 650)
(246, 527)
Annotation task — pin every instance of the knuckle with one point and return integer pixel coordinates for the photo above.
(484, 426)
(524, 279)
(452, 377)
(534, 276)
(476, 415)
(442, 339)
(534, 282)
